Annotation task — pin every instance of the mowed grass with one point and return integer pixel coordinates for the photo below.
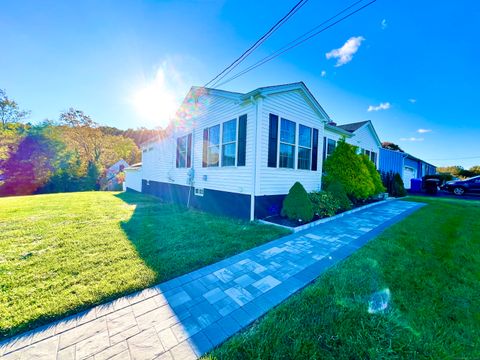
(430, 262)
(62, 253)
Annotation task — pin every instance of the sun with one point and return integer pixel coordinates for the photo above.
(156, 101)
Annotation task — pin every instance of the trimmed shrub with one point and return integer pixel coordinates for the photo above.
(394, 184)
(346, 167)
(324, 203)
(399, 189)
(297, 205)
(374, 175)
(338, 192)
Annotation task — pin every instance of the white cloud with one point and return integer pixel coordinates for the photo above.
(382, 106)
(423, 131)
(413, 101)
(384, 24)
(323, 73)
(413, 139)
(346, 52)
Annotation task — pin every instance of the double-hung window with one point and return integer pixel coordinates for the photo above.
(287, 144)
(331, 145)
(184, 150)
(229, 142)
(213, 149)
(304, 147)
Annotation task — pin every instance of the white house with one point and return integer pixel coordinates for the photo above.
(239, 154)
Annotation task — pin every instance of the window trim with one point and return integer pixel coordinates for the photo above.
(280, 142)
(230, 142)
(219, 145)
(187, 150)
(304, 147)
(326, 146)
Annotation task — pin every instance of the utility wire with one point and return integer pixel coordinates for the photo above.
(301, 39)
(259, 42)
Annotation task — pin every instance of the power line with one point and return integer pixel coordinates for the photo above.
(301, 39)
(260, 41)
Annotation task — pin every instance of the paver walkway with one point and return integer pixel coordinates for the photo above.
(189, 315)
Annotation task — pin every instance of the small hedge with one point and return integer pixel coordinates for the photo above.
(325, 204)
(297, 205)
(338, 192)
(374, 175)
(394, 184)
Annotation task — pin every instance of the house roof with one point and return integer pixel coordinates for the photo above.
(353, 126)
(264, 91)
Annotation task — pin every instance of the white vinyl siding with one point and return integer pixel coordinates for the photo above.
(293, 106)
(159, 164)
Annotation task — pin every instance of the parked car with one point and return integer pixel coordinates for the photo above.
(460, 187)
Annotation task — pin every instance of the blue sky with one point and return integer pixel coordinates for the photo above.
(413, 63)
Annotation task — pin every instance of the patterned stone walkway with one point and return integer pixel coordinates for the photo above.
(190, 315)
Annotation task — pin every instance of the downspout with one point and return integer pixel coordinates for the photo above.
(254, 182)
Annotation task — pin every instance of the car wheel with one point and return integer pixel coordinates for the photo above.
(458, 191)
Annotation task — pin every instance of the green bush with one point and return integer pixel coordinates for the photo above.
(338, 192)
(374, 175)
(394, 184)
(297, 205)
(324, 203)
(346, 167)
(399, 189)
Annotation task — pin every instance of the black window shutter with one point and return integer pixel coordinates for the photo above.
(324, 155)
(178, 152)
(189, 150)
(272, 141)
(315, 150)
(242, 140)
(205, 147)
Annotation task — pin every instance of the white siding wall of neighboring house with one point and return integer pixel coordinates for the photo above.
(294, 107)
(365, 139)
(162, 160)
(133, 179)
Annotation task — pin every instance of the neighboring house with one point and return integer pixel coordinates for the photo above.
(110, 181)
(239, 154)
(133, 177)
(409, 167)
(360, 134)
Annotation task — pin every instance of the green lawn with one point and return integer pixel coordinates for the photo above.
(62, 253)
(430, 262)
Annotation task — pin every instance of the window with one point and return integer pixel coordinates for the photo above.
(213, 149)
(304, 147)
(331, 145)
(229, 142)
(199, 191)
(367, 152)
(287, 144)
(373, 157)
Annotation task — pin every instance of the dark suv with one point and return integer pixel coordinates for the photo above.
(461, 187)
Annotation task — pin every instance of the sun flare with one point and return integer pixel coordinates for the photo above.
(157, 100)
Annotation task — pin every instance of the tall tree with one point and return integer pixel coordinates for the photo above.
(10, 111)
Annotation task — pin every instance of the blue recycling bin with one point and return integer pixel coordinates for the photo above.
(415, 185)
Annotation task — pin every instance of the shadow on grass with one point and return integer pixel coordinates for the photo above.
(174, 243)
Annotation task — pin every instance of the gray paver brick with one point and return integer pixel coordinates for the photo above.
(67, 353)
(92, 345)
(267, 283)
(145, 345)
(112, 351)
(144, 306)
(239, 295)
(115, 339)
(83, 332)
(183, 351)
(168, 339)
